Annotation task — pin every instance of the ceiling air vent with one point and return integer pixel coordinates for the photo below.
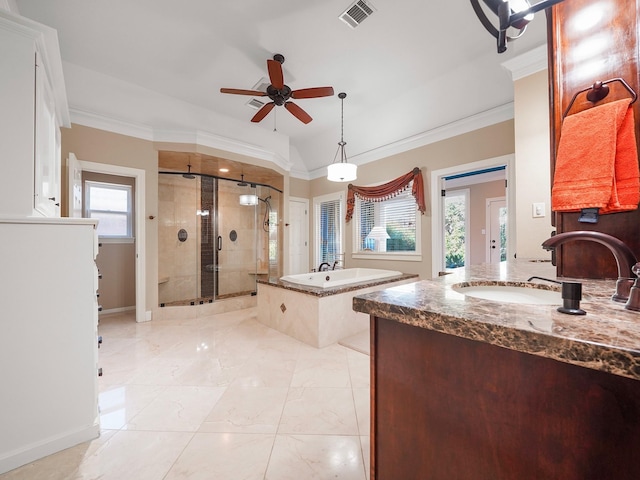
(261, 85)
(357, 13)
(255, 104)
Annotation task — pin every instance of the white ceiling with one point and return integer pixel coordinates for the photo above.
(411, 67)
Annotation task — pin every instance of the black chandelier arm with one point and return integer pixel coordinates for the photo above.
(516, 17)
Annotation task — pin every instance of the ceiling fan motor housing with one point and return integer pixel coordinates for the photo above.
(279, 96)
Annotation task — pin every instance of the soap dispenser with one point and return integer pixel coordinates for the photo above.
(571, 296)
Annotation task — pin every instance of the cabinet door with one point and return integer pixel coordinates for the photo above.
(47, 148)
(605, 47)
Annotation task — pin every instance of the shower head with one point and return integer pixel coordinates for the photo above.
(242, 183)
(189, 175)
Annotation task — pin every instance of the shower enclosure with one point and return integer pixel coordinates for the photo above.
(212, 246)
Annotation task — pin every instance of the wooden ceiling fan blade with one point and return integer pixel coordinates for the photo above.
(312, 92)
(297, 112)
(238, 91)
(263, 112)
(275, 74)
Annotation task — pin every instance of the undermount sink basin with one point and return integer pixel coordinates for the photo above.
(506, 292)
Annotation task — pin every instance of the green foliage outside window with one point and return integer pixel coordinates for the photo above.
(401, 240)
(454, 226)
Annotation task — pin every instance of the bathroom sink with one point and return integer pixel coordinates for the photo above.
(507, 292)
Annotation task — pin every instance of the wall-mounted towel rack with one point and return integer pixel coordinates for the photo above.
(600, 90)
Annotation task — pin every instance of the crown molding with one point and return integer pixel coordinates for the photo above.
(207, 139)
(301, 174)
(528, 63)
(195, 137)
(453, 129)
(110, 124)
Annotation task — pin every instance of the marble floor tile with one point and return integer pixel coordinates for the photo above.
(177, 409)
(62, 465)
(219, 397)
(359, 369)
(139, 455)
(366, 454)
(261, 372)
(322, 371)
(119, 404)
(247, 409)
(362, 400)
(327, 411)
(223, 456)
(297, 457)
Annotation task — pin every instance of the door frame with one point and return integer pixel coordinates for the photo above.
(437, 222)
(140, 238)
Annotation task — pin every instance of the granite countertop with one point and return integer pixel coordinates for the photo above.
(325, 292)
(607, 338)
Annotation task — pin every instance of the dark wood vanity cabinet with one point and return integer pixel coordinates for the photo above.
(590, 41)
(445, 407)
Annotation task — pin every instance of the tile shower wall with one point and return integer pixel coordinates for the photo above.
(207, 238)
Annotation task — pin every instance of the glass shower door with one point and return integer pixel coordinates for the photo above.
(178, 239)
(235, 247)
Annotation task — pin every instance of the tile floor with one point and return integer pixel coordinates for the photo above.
(219, 397)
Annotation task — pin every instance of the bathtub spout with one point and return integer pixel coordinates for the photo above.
(324, 266)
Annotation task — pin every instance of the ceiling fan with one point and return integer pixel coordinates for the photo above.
(280, 93)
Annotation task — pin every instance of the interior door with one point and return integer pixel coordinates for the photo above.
(497, 230)
(298, 231)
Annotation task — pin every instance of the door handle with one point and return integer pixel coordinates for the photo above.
(219, 243)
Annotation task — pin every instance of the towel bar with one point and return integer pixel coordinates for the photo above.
(600, 90)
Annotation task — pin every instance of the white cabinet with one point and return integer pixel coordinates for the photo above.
(48, 337)
(33, 108)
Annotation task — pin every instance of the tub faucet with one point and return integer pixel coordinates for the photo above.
(322, 266)
(625, 258)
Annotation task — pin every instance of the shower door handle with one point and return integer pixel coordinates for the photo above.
(219, 243)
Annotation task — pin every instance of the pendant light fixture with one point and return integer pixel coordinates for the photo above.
(341, 171)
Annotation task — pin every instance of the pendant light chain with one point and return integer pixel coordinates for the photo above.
(343, 156)
(341, 171)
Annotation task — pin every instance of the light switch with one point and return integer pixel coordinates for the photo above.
(538, 210)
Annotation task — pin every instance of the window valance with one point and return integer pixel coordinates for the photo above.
(388, 190)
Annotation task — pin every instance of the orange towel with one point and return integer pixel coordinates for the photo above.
(597, 162)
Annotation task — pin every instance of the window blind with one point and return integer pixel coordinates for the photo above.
(328, 231)
(387, 226)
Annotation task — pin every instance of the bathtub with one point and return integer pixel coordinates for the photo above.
(336, 278)
(317, 311)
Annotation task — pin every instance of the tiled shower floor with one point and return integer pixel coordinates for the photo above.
(220, 397)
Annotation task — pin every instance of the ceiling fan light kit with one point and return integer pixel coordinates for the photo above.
(515, 14)
(280, 94)
(341, 171)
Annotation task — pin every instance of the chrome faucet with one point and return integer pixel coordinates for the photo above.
(625, 258)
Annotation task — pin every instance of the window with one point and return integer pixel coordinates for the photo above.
(109, 203)
(329, 228)
(388, 228)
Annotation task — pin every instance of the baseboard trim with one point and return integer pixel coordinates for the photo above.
(35, 451)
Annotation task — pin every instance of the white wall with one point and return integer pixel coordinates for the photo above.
(532, 144)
